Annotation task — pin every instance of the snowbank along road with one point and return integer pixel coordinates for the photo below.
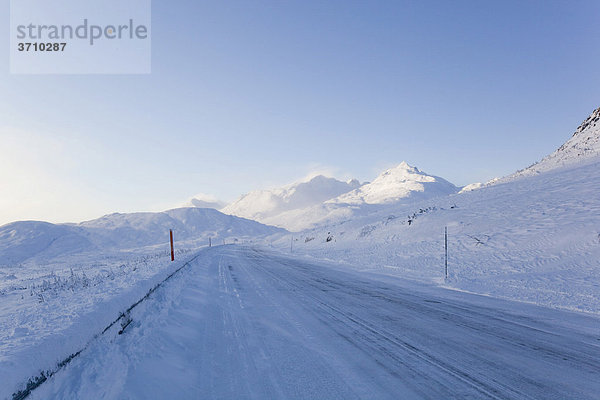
(246, 323)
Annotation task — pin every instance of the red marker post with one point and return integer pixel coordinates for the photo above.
(172, 252)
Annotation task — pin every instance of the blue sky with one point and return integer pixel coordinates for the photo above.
(251, 94)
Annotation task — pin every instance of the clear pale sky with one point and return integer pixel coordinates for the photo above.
(251, 94)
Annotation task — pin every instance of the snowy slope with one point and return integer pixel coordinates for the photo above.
(534, 239)
(263, 205)
(471, 187)
(584, 145)
(395, 184)
(49, 311)
(20, 241)
(143, 229)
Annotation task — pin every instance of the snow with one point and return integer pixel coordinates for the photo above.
(357, 307)
(21, 240)
(583, 146)
(395, 184)
(266, 205)
(535, 239)
(471, 187)
(61, 284)
(243, 322)
(42, 241)
(323, 200)
(51, 311)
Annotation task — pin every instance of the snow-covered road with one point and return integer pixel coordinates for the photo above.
(245, 323)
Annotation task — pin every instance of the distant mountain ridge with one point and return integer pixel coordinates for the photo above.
(303, 205)
(23, 240)
(395, 184)
(263, 205)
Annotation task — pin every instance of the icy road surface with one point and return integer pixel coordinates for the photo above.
(243, 323)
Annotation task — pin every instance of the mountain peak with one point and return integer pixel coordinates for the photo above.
(320, 198)
(583, 144)
(397, 183)
(402, 169)
(586, 138)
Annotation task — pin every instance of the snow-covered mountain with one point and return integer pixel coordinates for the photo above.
(584, 145)
(470, 187)
(23, 240)
(395, 184)
(321, 200)
(263, 205)
(534, 238)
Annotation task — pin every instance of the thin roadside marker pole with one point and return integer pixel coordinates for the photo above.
(172, 252)
(446, 250)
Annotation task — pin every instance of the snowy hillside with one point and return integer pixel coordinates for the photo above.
(142, 229)
(584, 145)
(20, 241)
(266, 205)
(395, 184)
(535, 239)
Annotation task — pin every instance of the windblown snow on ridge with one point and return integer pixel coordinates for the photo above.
(266, 205)
(322, 200)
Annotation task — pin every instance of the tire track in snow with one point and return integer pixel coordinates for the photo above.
(354, 321)
(300, 279)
